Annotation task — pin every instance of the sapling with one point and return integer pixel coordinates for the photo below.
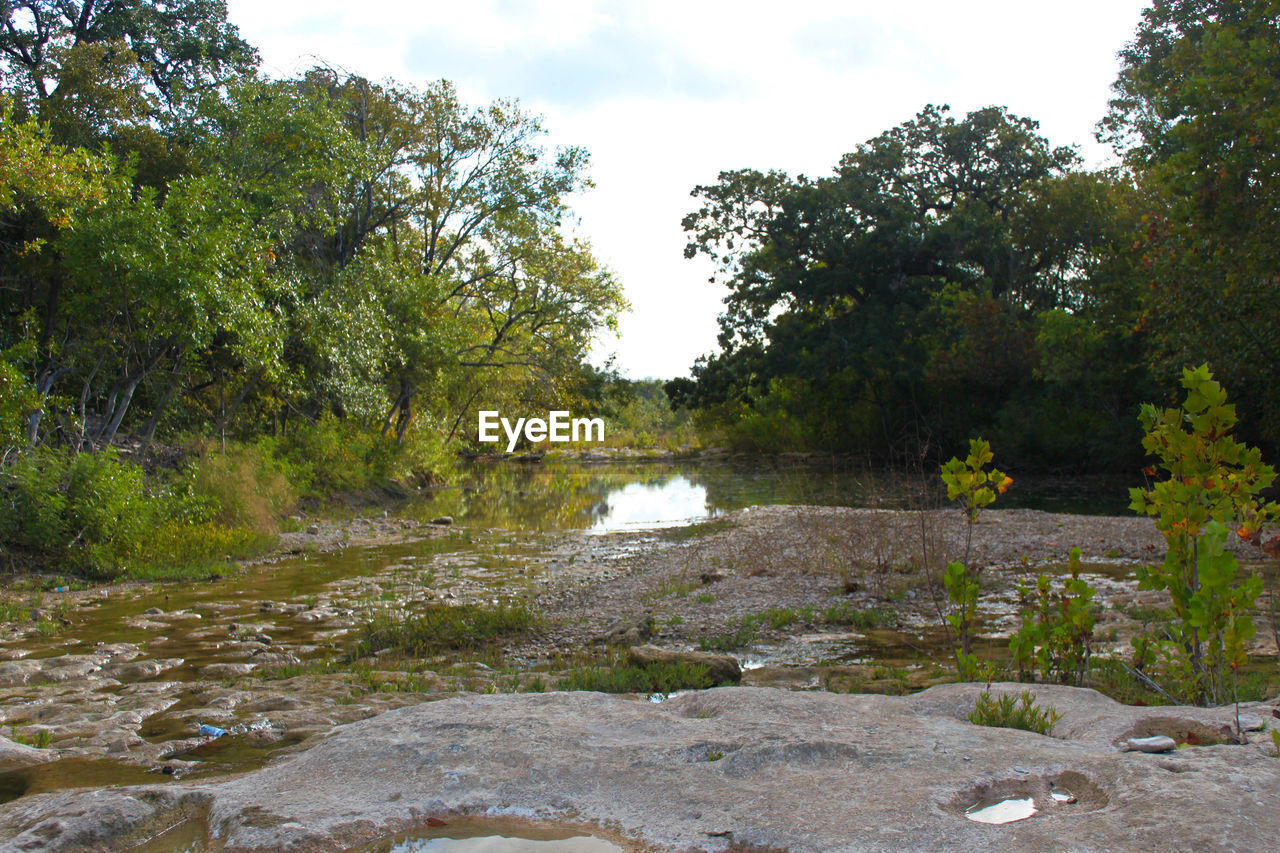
(975, 488)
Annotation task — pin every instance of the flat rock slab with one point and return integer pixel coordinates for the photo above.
(802, 771)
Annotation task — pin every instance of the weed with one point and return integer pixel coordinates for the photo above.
(652, 678)
(846, 614)
(1014, 713)
(441, 627)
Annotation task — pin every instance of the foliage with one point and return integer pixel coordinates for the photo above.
(96, 514)
(1055, 637)
(1196, 117)
(441, 627)
(1212, 481)
(894, 307)
(651, 678)
(1010, 713)
(974, 487)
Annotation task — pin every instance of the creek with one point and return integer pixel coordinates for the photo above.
(136, 670)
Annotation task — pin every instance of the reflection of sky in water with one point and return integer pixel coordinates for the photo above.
(677, 501)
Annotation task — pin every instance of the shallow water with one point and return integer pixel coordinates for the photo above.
(516, 520)
(490, 835)
(1005, 811)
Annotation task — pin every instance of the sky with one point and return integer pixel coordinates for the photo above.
(666, 94)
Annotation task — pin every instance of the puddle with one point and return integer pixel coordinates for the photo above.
(1007, 800)
(491, 835)
(1005, 811)
(72, 773)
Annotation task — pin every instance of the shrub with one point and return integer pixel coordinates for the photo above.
(1056, 635)
(1010, 713)
(90, 511)
(1213, 480)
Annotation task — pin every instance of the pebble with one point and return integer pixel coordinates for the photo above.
(1158, 743)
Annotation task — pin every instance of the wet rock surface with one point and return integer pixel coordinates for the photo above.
(802, 771)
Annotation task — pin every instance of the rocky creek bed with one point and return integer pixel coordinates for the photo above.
(800, 771)
(124, 686)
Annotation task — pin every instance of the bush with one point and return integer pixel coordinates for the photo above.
(246, 486)
(88, 510)
(96, 514)
(1010, 713)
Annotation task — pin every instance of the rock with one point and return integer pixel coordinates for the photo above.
(708, 578)
(226, 670)
(262, 638)
(627, 633)
(153, 611)
(14, 756)
(723, 669)
(1250, 723)
(1157, 743)
(313, 530)
(443, 520)
(802, 771)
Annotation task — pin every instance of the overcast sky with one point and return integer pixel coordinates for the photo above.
(665, 95)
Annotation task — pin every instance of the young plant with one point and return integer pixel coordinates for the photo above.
(1010, 713)
(1056, 636)
(1213, 481)
(970, 483)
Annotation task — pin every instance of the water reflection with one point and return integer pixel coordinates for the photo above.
(620, 496)
(665, 504)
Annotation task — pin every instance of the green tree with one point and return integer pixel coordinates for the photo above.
(1196, 116)
(897, 298)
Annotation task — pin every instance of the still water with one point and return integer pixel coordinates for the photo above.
(617, 496)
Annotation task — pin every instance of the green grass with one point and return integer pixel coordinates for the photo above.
(846, 614)
(744, 635)
(698, 530)
(442, 628)
(653, 678)
(1010, 713)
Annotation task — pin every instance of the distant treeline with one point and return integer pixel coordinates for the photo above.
(959, 276)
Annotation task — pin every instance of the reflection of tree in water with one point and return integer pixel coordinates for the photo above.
(541, 496)
(567, 495)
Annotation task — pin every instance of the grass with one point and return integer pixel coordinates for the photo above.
(653, 678)
(744, 635)
(1010, 713)
(443, 628)
(846, 614)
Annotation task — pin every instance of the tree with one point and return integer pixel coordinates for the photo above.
(901, 289)
(1196, 117)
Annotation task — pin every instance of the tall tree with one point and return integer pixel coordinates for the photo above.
(1196, 115)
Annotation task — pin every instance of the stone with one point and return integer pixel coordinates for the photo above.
(14, 756)
(226, 670)
(443, 520)
(802, 771)
(723, 669)
(1156, 743)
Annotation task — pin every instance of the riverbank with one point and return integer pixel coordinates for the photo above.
(803, 597)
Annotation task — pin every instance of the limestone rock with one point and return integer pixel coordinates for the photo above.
(14, 756)
(803, 771)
